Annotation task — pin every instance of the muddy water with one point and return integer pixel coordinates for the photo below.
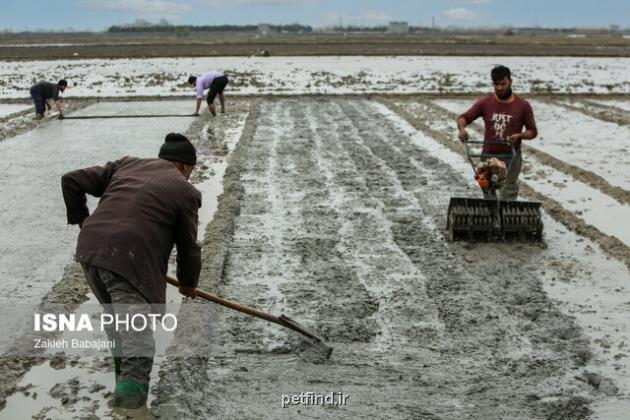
(35, 248)
(30, 187)
(9, 109)
(593, 288)
(90, 379)
(619, 104)
(337, 221)
(596, 291)
(22, 121)
(333, 214)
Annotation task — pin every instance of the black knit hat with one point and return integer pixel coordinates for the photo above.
(177, 147)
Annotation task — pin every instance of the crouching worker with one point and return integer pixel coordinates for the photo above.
(42, 91)
(146, 206)
(216, 81)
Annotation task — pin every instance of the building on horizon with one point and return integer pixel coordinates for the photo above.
(264, 28)
(398, 27)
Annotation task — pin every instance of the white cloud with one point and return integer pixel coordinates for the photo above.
(369, 18)
(142, 8)
(460, 13)
(228, 3)
(474, 2)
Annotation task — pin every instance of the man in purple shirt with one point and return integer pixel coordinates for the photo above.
(216, 81)
(504, 115)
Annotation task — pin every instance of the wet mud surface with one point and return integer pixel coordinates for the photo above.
(297, 75)
(32, 205)
(209, 134)
(597, 110)
(335, 218)
(333, 215)
(70, 291)
(23, 121)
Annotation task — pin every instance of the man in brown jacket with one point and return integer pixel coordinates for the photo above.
(146, 206)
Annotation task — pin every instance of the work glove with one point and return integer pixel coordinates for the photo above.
(188, 291)
(47, 105)
(60, 117)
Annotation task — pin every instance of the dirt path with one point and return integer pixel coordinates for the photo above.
(336, 219)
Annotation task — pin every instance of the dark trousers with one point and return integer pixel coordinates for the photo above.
(217, 86)
(39, 102)
(120, 298)
(509, 191)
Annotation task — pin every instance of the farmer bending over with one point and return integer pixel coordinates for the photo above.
(216, 81)
(146, 206)
(42, 91)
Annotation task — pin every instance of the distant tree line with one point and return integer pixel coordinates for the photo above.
(351, 28)
(295, 27)
(163, 25)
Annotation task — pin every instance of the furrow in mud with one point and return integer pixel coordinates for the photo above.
(365, 238)
(594, 109)
(283, 219)
(609, 244)
(314, 280)
(181, 378)
(333, 214)
(334, 223)
(504, 313)
(612, 103)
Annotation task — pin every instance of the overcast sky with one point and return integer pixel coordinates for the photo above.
(99, 14)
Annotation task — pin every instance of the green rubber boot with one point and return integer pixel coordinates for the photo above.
(130, 394)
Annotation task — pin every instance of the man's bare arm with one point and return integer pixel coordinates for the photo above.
(525, 135)
(461, 126)
(197, 106)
